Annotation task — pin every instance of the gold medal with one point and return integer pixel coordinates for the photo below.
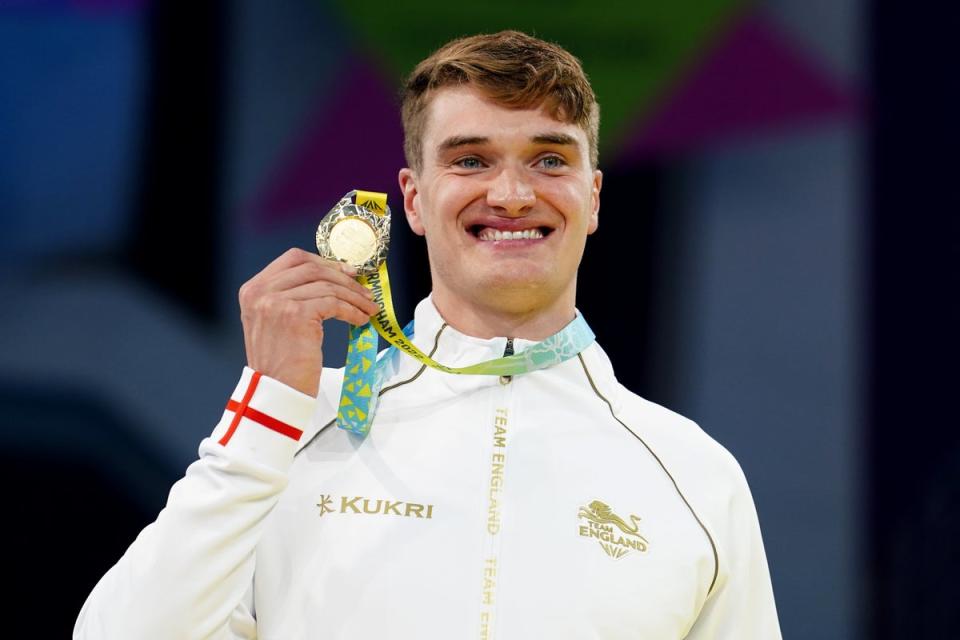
(355, 233)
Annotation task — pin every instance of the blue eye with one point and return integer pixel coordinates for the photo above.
(470, 162)
(552, 162)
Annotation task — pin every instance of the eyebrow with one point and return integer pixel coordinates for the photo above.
(555, 138)
(455, 142)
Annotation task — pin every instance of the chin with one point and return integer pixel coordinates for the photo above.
(516, 291)
(514, 278)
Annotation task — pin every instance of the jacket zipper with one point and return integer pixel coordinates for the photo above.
(507, 351)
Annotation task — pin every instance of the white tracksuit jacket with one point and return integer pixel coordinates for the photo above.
(557, 504)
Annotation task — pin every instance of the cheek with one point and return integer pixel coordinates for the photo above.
(575, 202)
(446, 200)
(446, 206)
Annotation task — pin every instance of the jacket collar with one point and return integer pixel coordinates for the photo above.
(456, 349)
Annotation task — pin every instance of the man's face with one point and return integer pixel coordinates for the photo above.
(505, 198)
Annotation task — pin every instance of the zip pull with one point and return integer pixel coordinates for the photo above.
(507, 351)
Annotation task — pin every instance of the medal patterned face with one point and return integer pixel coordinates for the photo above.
(353, 241)
(356, 235)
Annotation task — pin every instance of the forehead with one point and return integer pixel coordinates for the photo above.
(465, 111)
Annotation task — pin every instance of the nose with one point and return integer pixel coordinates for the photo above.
(511, 191)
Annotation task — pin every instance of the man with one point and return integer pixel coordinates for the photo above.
(549, 504)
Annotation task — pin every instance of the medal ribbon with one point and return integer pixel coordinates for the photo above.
(364, 374)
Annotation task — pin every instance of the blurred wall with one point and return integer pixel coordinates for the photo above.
(153, 156)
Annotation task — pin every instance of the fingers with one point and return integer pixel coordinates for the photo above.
(303, 284)
(289, 258)
(282, 309)
(292, 313)
(313, 271)
(333, 307)
(315, 290)
(294, 257)
(297, 268)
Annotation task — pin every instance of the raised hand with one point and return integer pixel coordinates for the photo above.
(283, 308)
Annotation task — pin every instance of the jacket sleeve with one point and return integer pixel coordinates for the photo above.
(189, 574)
(741, 604)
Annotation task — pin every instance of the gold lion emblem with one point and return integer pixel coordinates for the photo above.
(602, 519)
(602, 514)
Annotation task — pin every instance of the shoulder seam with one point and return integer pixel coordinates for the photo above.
(713, 546)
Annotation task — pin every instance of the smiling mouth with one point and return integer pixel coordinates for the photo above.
(489, 234)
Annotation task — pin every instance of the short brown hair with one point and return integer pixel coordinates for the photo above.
(511, 68)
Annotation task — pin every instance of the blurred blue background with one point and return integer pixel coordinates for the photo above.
(779, 215)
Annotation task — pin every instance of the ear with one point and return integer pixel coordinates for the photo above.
(411, 199)
(595, 211)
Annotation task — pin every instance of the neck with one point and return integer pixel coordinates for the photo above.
(511, 321)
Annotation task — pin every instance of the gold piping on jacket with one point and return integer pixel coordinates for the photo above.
(713, 546)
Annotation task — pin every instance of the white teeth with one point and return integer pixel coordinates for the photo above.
(488, 234)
